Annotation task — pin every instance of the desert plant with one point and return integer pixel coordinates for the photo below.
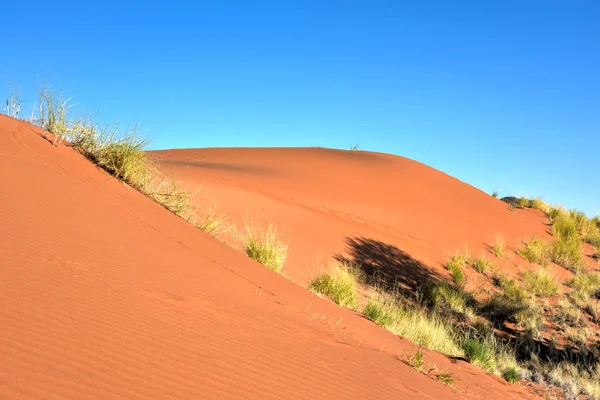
(416, 361)
(511, 374)
(12, 106)
(264, 246)
(445, 377)
(53, 114)
(585, 286)
(535, 250)
(523, 202)
(340, 285)
(480, 264)
(415, 323)
(214, 224)
(446, 299)
(480, 354)
(498, 248)
(454, 266)
(569, 314)
(540, 282)
(539, 204)
(495, 194)
(564, 226)
(568, 252)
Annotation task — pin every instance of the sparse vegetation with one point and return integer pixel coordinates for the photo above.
(495, 194)
(480, 264)
(416, 361)
(454, 266)
(523, 202)
(535, 250)
(265, 246)
(340, 285)
(435, 320)
(569, 314)
(214, 224)
(12, 105)
(449, 300)
(414, 323)
(446, 378)
(540, 282)
(511, 374)
(480, 354)
(499, 246)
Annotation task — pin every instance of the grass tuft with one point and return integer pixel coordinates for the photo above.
(540, 282)
(454, 266)
(522, 202)
(340, 285)
(498, 248)
(446, 378)
(265, 246)
(12, 105)
(214, 224)
(424, 328)
(535, 250)
(480, 264)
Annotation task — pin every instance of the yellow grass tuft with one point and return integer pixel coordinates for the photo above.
(340, 285)
(264, 246)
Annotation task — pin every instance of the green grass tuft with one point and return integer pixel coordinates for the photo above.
(511, 374)
(454, 266)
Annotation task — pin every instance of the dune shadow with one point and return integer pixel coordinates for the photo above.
(220, 166)
(386, 264)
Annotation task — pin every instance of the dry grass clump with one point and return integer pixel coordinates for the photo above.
(522, 202)
(214, 224)
(121, 153)
(574, 380)
(449, 300)
(540, 282)
(498, 248)
(585, 287)
(414, 323)
(12, 105)
(264, 246)
(480, 264)
(569, 314)
(340, 285)
(539, 204)
(535, 250)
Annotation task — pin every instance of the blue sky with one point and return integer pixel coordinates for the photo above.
(503, 95)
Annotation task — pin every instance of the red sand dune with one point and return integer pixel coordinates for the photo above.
(323, 197)
(106, 295)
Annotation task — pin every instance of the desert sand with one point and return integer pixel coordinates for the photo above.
(107, 295)
(401, 215)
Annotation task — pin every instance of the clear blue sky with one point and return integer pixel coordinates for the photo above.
(504, 95)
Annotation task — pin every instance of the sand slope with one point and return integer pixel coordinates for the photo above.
(106, 295)
(401, 215)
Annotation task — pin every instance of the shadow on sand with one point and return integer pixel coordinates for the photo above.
(386, 264)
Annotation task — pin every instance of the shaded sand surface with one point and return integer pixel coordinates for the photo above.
(388, 213)
(106, 295)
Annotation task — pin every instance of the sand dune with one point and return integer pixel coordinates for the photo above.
(106, 295)
(335, 202)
